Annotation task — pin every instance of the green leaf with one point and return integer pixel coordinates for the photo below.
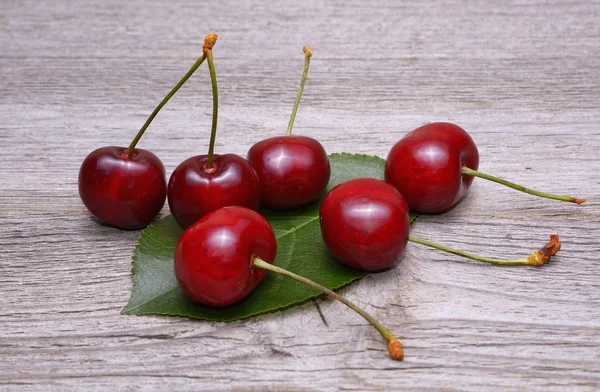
(300, 250)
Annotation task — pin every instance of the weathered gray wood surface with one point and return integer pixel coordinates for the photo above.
(523, 78)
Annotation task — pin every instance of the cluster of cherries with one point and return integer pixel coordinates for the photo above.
(227, 246)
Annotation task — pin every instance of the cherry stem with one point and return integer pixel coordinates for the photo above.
(213, 82)
(537, 258)
(394, 346)
(163, 102)
(307, 56)
(475, 173)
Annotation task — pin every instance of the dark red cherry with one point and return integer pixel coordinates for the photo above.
(204, 183)
(293, 170)
(426, 166)
(214, 257)
(196, 189)
(434, 166)
(365, 223)
(123, 190)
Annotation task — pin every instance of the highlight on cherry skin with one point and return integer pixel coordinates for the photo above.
(365, 223)
(434, 165)
(222, 258)
(293, 170)
(126, 187)
(204, 183)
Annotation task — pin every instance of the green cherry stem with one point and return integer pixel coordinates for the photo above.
(475, 173)
(213, 82)
(163, 103)
(307, 56)
(394, 346)
(537, 258)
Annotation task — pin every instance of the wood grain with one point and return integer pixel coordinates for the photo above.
(523, 77)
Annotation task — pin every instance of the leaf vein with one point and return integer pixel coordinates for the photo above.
(296, 228)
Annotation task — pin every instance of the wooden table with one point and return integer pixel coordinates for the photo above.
(522, 77)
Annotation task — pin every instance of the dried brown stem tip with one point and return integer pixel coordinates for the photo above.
(307, 52)
(578, 201)
(544, 255)
(209, 41)
(396, 350)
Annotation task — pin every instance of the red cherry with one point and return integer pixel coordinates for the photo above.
(293, 170)
(204, 183)
(195, 189)
(124, 190)
(426, 166)
(213, 258)
(365, 223)
(433, 167)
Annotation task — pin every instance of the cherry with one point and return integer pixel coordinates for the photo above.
(213, 258)
(197, 188)
(222, 257)
(365, 223)
(126, 187)
(293, 170)
(433, 167)
(425, 166)
(204, 183)
(125, 190)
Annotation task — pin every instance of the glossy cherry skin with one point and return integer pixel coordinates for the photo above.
(425, 166)
(195, 190)
(213, 258)
(365, 224)
(293, 171)
(125, 191)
